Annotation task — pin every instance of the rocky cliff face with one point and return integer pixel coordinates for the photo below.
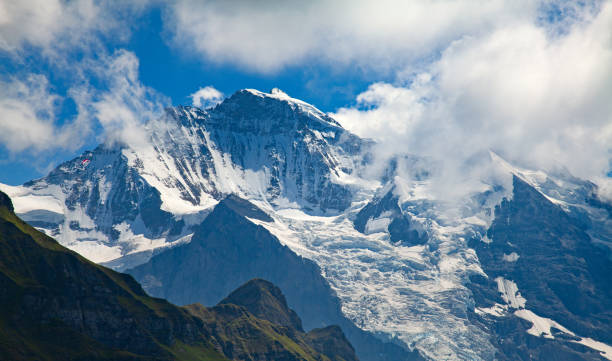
(383, 213)
(543, 269)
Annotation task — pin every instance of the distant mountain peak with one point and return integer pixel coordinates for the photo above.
(266, 301)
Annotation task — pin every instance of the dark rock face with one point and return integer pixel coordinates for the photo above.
(227, 250)
(299, 148)
(399, 228)
(293, 143)
(561, 273)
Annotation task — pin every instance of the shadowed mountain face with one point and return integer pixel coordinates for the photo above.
(56, 305)
(557, 269)
(228, 249)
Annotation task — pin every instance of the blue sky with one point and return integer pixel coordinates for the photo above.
(530, 80)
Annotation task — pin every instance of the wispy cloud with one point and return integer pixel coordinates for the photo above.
(28, 115)
(67, 38)
(119, 102)
(54, 27)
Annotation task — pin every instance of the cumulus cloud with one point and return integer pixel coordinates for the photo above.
(267, 36)
(206, 97)
(28, 116)
(539, 98)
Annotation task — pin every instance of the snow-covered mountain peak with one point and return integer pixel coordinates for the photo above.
(127, 198)
(254, 111)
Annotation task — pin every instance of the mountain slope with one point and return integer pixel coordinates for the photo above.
(266, 301)
(52, 294)
(122, 199)
(228, 249)
(58, 305)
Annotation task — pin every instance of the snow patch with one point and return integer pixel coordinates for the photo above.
(26, 200)
(496, 310)
(375, 225)
(541, 326)
(604, 349)
(512, 257)
(510, 293)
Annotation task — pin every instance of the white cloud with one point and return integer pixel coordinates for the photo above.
(121, 103)
(267, 36)
(538, 98)
(206, 97)
(55, 28)
(67, 37)
(28, 120)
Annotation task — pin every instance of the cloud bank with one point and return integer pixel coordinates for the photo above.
(541, 100)
(267, 36)
(530, 80)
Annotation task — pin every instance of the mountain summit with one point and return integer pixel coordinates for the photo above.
(128, 198)
(250, 110)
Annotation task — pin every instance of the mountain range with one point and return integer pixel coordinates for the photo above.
(267, 186)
